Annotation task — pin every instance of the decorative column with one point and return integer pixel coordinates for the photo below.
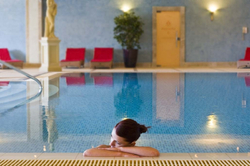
(33, 33)
(50, 43)
(50, 54)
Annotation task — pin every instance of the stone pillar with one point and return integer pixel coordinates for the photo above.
(50, 54)
(33, 32)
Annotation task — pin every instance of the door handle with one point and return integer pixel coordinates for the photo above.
(177, 39)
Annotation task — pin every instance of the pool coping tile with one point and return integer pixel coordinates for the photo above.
(80, 157)
(133, 158)
(20, 156)
(163, 156)
(173, 156)
(239, 156)
(147, 70)
(209, 156)
(66, 156)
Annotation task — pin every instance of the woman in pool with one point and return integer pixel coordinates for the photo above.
(122, 143)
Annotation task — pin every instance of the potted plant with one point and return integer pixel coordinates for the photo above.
(127, 32)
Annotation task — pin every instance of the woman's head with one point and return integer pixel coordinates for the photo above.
(126, 132)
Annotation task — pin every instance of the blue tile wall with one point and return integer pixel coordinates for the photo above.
(90, 24)
(84, 23)
(12, 27)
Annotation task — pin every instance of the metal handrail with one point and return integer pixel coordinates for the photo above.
(29, 76)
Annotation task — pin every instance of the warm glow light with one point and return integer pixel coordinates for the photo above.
(212, 8)
(44, 148)
(126, 8)
(212, 122)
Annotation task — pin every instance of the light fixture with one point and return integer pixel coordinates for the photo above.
(212, 10)
(125, 8)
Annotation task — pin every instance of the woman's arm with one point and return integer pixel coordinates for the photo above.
(137, 150)
(97, 152)
(141, 151)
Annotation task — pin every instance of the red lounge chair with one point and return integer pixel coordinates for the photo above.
(246, 61)
(5, 56)
(74, 57)
(103, 57)
(74, 79)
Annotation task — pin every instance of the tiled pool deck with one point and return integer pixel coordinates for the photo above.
(163, 156)
(8, 75)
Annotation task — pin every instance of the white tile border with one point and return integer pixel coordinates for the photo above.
(1, 154)
(239, 156)
(209, 156)
(163, 156)
(65, 156)
(8, 74)
(20, 156)
(173, 156)
(135, 158)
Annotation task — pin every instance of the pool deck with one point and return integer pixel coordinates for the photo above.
(11, 75)
(163, 156)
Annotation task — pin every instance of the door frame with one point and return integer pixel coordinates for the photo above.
(181, 9)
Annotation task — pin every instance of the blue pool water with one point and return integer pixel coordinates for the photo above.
(187, 112)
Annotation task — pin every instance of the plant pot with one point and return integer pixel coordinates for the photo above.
(130, 57)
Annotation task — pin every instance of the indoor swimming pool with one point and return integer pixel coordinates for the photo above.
(187, 112)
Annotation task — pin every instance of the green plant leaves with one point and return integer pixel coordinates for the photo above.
(128, 30)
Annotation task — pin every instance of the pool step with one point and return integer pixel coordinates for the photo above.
(12, 95)
(12, 89)
(126, 162)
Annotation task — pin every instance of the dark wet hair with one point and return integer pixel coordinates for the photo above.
(130, 130)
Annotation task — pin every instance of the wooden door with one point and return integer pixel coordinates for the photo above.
(168, 39)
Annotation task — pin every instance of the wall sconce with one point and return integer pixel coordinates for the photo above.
(244, 31)
(212, 10)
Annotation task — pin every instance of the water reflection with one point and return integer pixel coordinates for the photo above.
(49, 103)
(192, 112)
(169, 97)
(128, 100)
(246, 77)
(73, 79)
(102, 79)
(50, 133)
(212, 121)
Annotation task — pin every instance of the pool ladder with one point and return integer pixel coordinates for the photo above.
(29, 76)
